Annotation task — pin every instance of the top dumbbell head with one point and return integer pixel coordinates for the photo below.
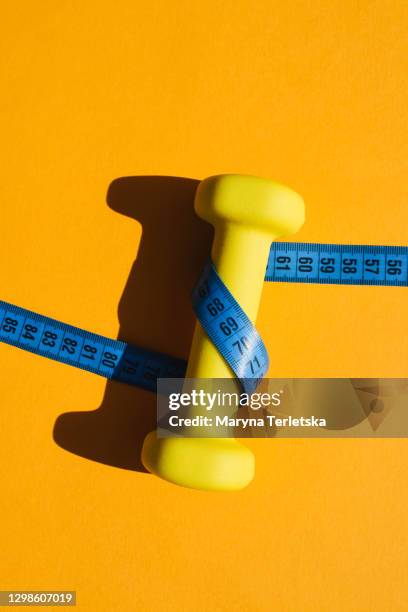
(250, 201)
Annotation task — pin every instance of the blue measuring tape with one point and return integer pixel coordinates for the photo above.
(219, 313)
(229, 328)
(340, 264)
(112, 359)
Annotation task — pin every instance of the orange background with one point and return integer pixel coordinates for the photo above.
(313, 94)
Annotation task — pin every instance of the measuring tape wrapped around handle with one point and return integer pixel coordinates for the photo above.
(289, 262)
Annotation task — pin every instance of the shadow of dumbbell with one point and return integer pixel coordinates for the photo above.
(154, 312)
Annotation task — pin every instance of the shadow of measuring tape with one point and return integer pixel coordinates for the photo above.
(154, 312)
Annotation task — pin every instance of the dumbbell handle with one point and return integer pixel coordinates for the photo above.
(240, 255)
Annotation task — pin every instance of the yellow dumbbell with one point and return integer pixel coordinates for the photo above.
(247, 213)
